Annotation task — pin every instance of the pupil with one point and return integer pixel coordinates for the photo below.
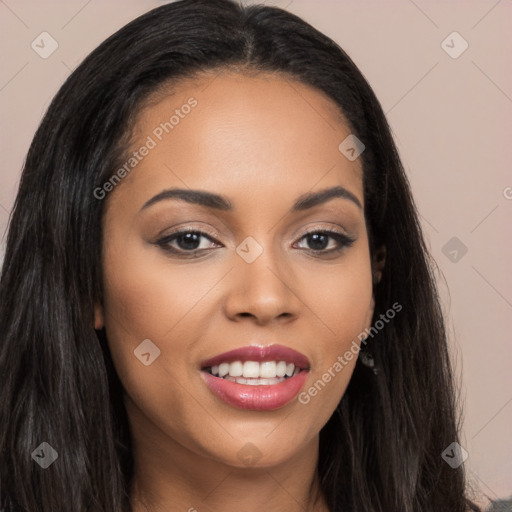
(318, 241)
(188, 241)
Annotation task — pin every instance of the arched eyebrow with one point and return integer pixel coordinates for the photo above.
(310, 200)
(218, 202)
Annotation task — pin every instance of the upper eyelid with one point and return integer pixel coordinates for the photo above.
(202, 231)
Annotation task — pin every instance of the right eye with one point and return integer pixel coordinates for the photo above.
(187, 242)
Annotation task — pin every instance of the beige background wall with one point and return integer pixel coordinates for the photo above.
(451, 118)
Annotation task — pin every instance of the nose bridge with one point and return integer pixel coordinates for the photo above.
(261, 283)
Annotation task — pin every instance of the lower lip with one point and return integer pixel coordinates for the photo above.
(256, 398)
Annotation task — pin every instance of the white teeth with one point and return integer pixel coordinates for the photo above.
(257, 382)
(235, 369)
(251, 369)
(223, 369)
(254, 372)
(267, 370)
(281, 368)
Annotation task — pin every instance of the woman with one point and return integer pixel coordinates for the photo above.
(216, 294)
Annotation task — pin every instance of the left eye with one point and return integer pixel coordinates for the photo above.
(318, 241)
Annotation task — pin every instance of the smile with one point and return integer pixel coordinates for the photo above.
(256, 378)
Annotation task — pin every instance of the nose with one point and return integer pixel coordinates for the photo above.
(262, 291)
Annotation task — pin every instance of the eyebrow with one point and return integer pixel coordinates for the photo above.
(218, 202)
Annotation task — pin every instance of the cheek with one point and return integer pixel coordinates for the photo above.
(344, 302)
(144, 302)
(340, 297)
(147, 296)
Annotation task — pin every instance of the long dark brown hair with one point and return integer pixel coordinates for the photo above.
(381, 449)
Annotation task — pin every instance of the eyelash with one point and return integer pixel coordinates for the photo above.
(164, 242)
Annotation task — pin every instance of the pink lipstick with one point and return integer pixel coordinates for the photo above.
(255, 377)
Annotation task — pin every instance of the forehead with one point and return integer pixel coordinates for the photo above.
(236, 133)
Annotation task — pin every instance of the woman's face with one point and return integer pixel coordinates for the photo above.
(256, 151)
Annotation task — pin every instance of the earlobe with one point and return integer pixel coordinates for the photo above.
(98, 317)
(378, 264)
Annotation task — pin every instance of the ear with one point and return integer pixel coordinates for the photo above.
(378, 264)
(99, 321)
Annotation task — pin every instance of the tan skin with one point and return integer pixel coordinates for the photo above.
(261, 141)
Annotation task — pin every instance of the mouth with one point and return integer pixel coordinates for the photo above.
(255, 377)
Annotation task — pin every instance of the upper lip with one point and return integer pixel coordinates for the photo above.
(259, 354)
